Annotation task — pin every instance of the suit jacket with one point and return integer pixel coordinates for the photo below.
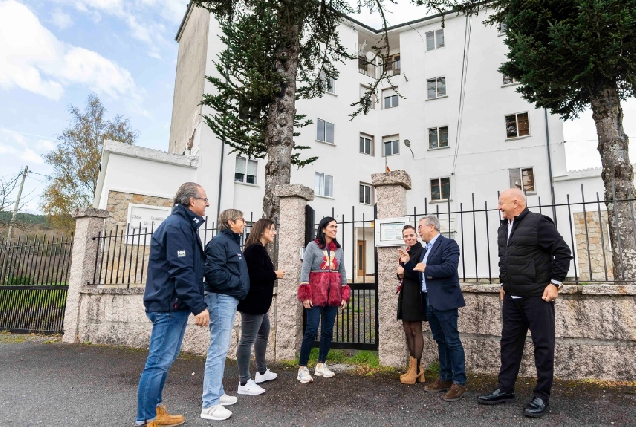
(442, 279)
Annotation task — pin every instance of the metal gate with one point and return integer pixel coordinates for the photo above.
(33, 284)
(357, 325)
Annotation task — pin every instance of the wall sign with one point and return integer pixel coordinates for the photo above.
(142, 219)
(388, 231)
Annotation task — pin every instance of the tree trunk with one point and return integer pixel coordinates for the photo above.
(618, 177)
(280, 127)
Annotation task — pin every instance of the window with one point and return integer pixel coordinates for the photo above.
(434, 39)
(366, 192)
(440, 189)
(329, 83)
(366, 144)
(245, 170)
(438, 137)
(501, 28)
(392, 64)
(390, 98)
(517, 125)
(391, 145)
(371, 101)
(323, 185)
(436, 87)
(325, 131)
(507, 80)
(522, 178)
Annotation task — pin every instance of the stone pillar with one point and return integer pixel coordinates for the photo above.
(88, 222)
(390, 192)
(291, 238)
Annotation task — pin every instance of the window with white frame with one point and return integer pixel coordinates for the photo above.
(507, 80)
(389, 98)
(329, 83)
(323, 185)
(440, 189)
(371, 100)
(435, 39)
(517, 125)
(522, 178)
(366, 144)
(366, 194)
(436, 87)
(438, 137)
(245, 170)
(325, 131)
(390, 145)
(501, 28)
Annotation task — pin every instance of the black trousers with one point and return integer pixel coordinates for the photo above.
(519, 315)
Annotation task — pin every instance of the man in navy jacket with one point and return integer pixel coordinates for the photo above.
(443, 297)
(174, 289)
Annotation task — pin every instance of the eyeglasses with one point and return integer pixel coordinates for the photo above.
(205, 199)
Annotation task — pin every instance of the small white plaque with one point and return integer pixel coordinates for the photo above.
(388, 231)
(142, 219)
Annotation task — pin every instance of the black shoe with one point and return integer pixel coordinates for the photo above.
(536, 408)
(495, 397)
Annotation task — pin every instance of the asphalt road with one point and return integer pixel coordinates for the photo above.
(54, 384)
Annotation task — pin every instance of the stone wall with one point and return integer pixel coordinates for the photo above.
(599, 244)
(118, 202)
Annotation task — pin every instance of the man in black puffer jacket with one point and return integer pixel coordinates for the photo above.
(226, 283)
(533, 262)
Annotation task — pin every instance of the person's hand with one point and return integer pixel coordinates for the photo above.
(202, 319)
(343, 304)
(501, 293)
(280, 274)
(420, 267)
(307, 303)
(404, 256)
(400, 271)
(550, 293)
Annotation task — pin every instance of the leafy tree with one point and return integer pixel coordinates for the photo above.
(277, 52)
(76, 159)
(570, 55)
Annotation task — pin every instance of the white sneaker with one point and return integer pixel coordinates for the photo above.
(250, 388)
(267, 376)
(226, 400)
(216, 412)
(323, 371)
(303, 375)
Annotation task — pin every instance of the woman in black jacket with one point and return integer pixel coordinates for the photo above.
(411, 308)
(254, 320)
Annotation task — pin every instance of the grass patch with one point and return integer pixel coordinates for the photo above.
(365, 362)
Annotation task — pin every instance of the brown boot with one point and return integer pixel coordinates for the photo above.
(167, 420)
(455, 393)
(408, 371)
(411, 376)
(420, 374)
(438, 386)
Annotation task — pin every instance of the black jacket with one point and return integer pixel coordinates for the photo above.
(175, 266)
(533, 255)
(262, 277)
(225, 268)
(411, 278)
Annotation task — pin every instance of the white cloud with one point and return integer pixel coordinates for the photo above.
(15, 144)
(45, 145)
(31, 156)
(61, 19)
(33, 59)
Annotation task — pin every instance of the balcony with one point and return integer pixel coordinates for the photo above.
(392, 66)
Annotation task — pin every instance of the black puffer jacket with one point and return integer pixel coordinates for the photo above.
(262, 277)
(534, 254)
(225, 268)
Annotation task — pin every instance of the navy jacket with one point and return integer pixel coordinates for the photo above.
(175, 267)
(442, 279)
(225, 268)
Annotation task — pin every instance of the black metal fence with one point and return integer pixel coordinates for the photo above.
(122, 252)
(34, 283)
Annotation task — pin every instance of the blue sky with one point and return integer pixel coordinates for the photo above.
(54, 53)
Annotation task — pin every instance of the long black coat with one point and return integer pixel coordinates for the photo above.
(262, 277)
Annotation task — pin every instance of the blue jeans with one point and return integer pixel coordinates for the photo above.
(451, 352)
(311, 331)
(165, 342)
(222, 309)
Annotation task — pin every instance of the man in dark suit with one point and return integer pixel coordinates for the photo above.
(443, 297)
(533, 262)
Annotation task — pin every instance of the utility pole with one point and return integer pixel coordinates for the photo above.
(17, 203)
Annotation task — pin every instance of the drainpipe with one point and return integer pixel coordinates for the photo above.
(547, 144)
(218, 204)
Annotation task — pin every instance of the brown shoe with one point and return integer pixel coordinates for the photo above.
(411, 376)
(455, 393)
(438, 386)
(167, 420)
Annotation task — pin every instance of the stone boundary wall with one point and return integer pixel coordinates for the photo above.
(595, 257)
(118, 202)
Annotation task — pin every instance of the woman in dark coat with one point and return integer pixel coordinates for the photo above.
(254, 320)
(410, 309)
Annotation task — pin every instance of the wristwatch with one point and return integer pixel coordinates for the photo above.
(557, 284)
